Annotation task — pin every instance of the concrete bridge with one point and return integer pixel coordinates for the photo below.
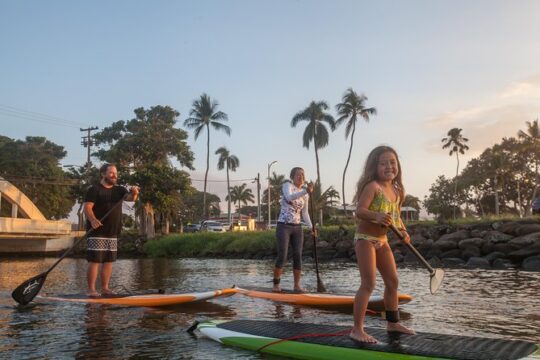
(27, 230)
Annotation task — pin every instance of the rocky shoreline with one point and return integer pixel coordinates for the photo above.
(488, 245)
(493, 245)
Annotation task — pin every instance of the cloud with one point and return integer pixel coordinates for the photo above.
(486, 124)
(526, 89)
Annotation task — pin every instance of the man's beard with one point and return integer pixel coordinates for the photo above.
(110, 181)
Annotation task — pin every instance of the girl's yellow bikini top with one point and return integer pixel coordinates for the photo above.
(382, 205)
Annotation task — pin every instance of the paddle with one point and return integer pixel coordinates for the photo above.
(27, 291)
(436, 275)
(320, 285)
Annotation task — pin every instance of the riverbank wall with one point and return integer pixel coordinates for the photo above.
(487, 245)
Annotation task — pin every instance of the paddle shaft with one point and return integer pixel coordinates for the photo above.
(413, 249)
(68, 251)
(320, 285)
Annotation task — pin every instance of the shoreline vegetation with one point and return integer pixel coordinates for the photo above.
(484, 244)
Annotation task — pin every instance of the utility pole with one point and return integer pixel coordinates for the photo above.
(87, 142)
(258, 196)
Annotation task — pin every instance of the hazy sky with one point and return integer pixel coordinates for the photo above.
(427, 66)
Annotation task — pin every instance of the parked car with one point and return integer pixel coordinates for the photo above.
(536, 206)
(190, 228)
(212, 226)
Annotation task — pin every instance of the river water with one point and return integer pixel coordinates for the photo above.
(500, 304)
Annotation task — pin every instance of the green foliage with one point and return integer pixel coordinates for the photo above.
(33, 165)
(142, 148)
(192, 210)
(211, 244)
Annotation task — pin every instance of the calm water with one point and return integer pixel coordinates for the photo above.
(501, 304)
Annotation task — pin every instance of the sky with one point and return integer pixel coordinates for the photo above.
(426, 66)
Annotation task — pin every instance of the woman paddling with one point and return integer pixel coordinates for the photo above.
(294, 205)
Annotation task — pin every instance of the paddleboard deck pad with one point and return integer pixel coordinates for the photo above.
(376, 303)
(150, 300)
(312, 341)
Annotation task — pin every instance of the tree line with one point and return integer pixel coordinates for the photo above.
(502, 180)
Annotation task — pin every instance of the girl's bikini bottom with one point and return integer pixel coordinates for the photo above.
(375, 241)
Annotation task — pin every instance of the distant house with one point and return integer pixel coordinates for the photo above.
(409, 213)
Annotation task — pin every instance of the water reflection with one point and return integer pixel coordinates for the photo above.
(471, 302)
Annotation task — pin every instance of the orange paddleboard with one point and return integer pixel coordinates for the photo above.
(150, 300)
(317, 299)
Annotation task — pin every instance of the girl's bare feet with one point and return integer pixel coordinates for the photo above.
(107, 292)
(93, 294)
(299, 290)
(362, 337)
(276, 288)
(397, 327)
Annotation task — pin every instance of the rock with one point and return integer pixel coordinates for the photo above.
(526, 240)
(476, 242)
(454, 253)
(508, 228)
(478, 233)
(494, 255)
(445, 245)
(433, 252)
(497, 237)
(322, 244)
(497, 225)
(519, 255)
(410, 258)
(478, 262)
(435, 262)
(502, 264)
(527, 229)
(453, 262)
(455, 236)
(435, 232)
(418, 240)
(505, 248)
(531, 263)
(469, 252)
(344, 245)
(398, 257)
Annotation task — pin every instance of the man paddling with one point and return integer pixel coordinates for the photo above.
(102, 243)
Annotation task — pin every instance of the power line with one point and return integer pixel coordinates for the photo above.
(38, 117)
(219, 181)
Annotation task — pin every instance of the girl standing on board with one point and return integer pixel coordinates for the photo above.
(378, 199)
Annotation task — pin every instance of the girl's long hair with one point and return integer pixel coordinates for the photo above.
(370, 173)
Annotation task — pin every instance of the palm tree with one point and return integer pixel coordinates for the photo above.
(351, 107)
(532, 140)
(315, 130)
(241, 194)
(203, 114)
(276, 182)
(456, 142)
(230, 162)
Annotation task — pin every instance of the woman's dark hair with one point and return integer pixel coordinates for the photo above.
(293, 172)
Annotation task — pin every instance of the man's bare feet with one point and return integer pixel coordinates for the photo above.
(299, 290)
(397, 327)
(362, 337)
(276, 288)
(107, 292)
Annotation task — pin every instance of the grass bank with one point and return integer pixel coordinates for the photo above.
(235, 244)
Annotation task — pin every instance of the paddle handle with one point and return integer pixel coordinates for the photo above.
(413, 249)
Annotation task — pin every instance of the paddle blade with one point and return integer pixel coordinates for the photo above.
(28, 290)
(436, 280)
(320, 286)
